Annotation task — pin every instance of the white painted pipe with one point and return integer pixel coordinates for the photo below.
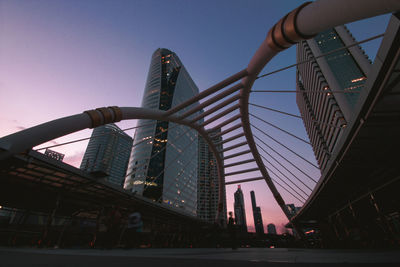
(325, 14)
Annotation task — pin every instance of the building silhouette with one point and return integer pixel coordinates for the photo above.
(161, 172)
(107, 153)
(271, 229)
(329, 87)
(208, 183)
(54, 154)
(292, 209)
(240, 213)
(258, 223)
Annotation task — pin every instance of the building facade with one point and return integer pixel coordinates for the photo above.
(107, 153)
(240, 212)
(258, 222)
(329, 87)
(271, 229)
(164, 159)
(208, 183)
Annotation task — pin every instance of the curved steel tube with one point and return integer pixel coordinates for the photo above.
(300, 24)
(26, 139)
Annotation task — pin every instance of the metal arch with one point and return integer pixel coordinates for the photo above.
(296, 26)
(26, 139)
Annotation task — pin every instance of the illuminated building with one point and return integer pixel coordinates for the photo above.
(107, 153)
(240, 213)
(208, 182)
(161, 172)
(258, 223)
(328, 87)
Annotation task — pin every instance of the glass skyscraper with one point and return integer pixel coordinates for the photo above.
(208, 183)
(328, 87)
(107, 153)
(164, 159)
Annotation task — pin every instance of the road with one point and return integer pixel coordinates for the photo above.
(17, 257)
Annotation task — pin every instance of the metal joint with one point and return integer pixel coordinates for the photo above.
(107, 115)
(286, 33)
(117, 113)
(95, 117)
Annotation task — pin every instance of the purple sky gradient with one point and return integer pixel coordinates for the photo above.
(59, 58)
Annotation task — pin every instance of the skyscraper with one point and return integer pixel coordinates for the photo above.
(208, 182)
(329, 87)
(240, 213)
(258, 223)
(164, 160)
(107, 153)
(271, 229)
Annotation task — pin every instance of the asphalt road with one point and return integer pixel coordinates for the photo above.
(195, 257)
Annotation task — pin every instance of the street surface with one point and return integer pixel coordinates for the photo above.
(208, 257)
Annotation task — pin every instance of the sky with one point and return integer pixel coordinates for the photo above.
(59, 58)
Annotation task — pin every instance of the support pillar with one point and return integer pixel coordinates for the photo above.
(49, 221)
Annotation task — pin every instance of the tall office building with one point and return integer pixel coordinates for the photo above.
(240, 213)
(107, 153)
(329, 87)
(208, 183)
(164, 160)
(258, 223)
(271, 229)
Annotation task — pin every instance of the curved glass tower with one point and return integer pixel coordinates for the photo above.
(164, 159)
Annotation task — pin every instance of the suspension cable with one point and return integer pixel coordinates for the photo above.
(179, 174)
(287, 191)
(87, 138)
(280, 129)
(296, 116)
(285, 146)
(275, 110)
(286, 159)
(322, 55)
(170, 163)
(307, 92)
(134, 145)
(298, 179)
(298, 187)
(280, 179)
(158, 152)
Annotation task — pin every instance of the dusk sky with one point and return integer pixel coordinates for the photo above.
(59, 58)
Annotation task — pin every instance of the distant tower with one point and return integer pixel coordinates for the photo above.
(208, 183)
(258, 223)
(107, 153)
(240, 214)
(329, 88)
(271, 229)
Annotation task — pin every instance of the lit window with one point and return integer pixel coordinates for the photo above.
(358, 79)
